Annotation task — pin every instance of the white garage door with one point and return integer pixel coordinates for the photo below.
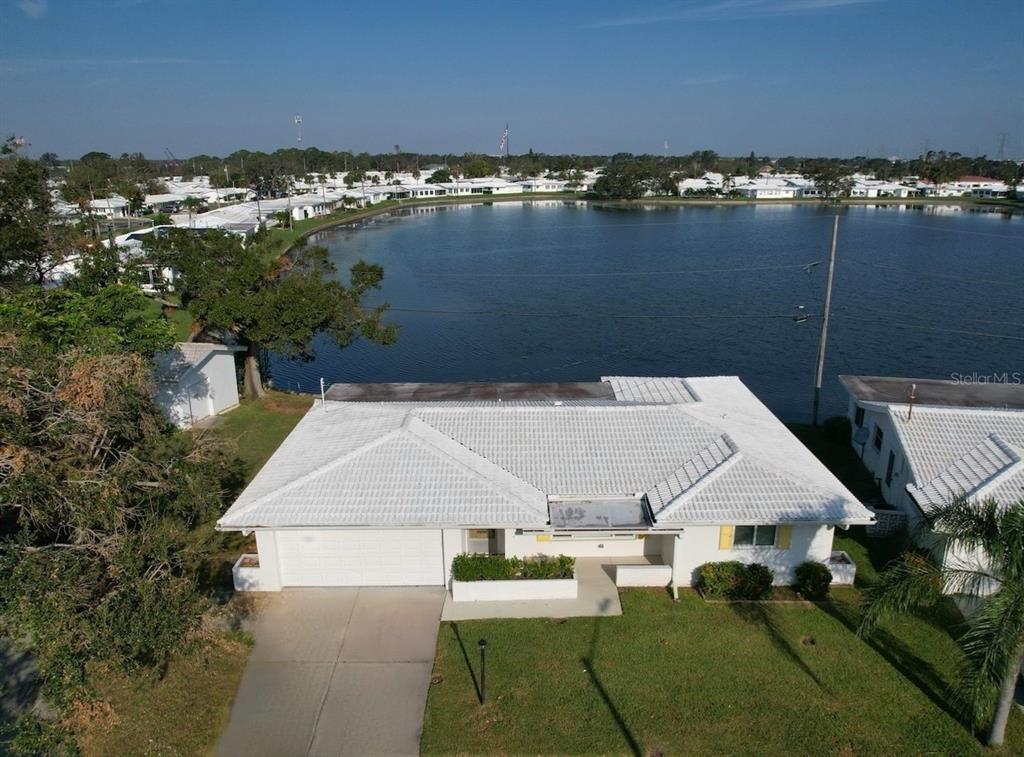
(360, 558)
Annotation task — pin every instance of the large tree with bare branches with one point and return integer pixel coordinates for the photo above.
(101, 499)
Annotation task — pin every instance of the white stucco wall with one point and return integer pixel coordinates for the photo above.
(530, 544)
(877, 461)
(270, 569)
(207, 389)
(699, 544)
(453, 542)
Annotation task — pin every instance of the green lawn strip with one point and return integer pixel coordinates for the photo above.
(258, 427)
(699, 678)
(178, 317)
(284, 237)
(183, 713)
(693, 678)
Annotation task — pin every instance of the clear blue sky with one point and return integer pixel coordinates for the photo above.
(778, 77)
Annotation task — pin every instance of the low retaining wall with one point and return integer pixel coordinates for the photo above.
(249, 577)
(496, 591)
(843, 568)
(643, 575)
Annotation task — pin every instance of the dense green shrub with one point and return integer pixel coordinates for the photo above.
(470, 567)
(31, 736)
(757, 581)
(813, 580)
(734, 580)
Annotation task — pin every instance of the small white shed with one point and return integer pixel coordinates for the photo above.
(196, 380)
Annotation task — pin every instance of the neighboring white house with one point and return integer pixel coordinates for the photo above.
(383, 484)
(768, 188)
(196, 380)
(953, 438)
(114, 206)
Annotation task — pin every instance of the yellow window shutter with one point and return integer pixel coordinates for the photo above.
(725, 537)
(785, 536)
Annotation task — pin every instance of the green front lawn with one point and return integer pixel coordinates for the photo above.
(698, 678)
(694, 678)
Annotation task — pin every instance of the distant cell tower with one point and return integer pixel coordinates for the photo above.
(298, 126)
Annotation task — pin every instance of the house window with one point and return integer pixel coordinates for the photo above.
(889, 467)
(858, 417)
(877, 443)
(754, 536)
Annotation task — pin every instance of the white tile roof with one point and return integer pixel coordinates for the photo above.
(173, 364)
(702, 450)
(642, 389)
(951, 451)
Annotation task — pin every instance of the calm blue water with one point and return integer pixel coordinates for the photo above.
(558, 291)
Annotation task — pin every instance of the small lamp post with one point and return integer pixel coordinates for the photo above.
(483, 669)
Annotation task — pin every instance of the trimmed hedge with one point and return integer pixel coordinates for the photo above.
(735, 580)
(813, 580)
(471, 567)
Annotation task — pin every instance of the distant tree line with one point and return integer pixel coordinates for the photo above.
(97, 174)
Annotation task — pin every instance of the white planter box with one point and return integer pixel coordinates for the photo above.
(250, 577)
(843, 568)
(643, 575)
(496, 591)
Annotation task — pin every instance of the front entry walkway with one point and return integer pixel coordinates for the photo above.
(597, 596)
(336, 672)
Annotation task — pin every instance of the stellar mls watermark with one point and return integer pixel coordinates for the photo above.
(1005, 377)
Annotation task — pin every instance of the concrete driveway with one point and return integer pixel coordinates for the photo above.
(337, 672)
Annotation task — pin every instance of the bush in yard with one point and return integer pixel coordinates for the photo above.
(757, 581)
(472, 567)
(31, 735)
(559, 566)
(734, 580)
(813, 580)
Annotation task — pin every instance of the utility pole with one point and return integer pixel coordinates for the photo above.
(824, 322)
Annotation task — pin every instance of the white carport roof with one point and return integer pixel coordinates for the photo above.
(703, 451)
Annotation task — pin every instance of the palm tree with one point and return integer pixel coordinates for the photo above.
(992, 647)
(191, 203)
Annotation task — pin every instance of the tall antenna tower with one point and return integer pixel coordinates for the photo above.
(298, 127)
(1001, 152)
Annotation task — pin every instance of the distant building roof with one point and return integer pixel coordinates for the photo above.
(961, 438)
(969, 391)
(701, 450)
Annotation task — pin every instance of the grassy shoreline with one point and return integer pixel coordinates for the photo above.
(288, 238)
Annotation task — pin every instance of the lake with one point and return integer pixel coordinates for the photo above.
(558, 291)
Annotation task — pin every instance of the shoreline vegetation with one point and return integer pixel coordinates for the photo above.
(287, 238)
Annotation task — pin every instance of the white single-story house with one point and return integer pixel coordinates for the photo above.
(196, 380)
(383, 484)
(928, 441)
(768, 189)
(114, 206)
